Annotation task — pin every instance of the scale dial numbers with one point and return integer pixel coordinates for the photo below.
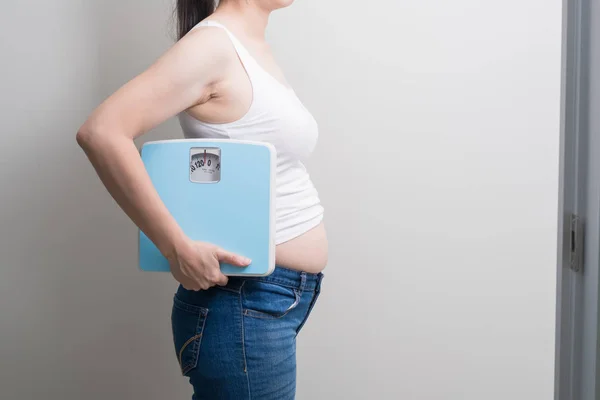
(205, 164)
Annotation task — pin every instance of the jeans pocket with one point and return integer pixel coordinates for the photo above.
(187, 322)
(313, 301)
(268, 300)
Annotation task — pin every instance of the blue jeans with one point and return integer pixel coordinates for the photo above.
(239, 341)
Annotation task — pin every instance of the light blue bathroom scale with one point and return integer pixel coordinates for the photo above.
(219, 191)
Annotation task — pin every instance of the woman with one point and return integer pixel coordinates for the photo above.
(234, 337)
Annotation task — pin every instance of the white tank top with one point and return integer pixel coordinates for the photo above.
(276, 116)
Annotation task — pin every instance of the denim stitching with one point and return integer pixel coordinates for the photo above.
(242, 325)
(243, 341)
(189, 307)
(282, 282)
(186, 368)
(263, 315)
(202, 313)
(311, 305)
(227, 289)
(195, 344)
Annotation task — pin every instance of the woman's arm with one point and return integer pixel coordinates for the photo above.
(181, 78)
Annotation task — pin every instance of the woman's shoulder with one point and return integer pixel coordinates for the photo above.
(208, 38)
(205, 49)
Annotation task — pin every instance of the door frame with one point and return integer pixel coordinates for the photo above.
(576, 352)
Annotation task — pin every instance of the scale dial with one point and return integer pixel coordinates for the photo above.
(205, 164)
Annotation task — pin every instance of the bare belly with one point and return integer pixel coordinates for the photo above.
(307, 252)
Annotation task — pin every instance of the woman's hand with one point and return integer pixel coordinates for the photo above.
(196, 264)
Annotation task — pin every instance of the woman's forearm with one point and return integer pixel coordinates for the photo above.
(119, 166)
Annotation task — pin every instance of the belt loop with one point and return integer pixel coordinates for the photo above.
(319, 280)
(302, 281)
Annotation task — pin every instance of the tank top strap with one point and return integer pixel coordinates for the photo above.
(244, 55)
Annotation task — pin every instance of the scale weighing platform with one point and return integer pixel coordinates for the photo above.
(219, 191)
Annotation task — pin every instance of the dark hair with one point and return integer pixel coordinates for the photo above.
(190, 12)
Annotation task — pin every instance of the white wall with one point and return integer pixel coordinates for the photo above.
(77, 320)
(437, 165)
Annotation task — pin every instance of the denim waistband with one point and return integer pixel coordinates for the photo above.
(292, 278)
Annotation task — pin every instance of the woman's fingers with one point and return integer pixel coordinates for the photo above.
(214, 275)
(204, 272)
(221, 280)
(189, 283)
(231, 258)
(190, 287)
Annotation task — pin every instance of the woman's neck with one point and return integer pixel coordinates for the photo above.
(246, 16)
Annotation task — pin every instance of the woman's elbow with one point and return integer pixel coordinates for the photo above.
(83, 136)
(90, 135)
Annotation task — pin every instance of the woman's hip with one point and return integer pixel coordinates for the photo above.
(241, 337)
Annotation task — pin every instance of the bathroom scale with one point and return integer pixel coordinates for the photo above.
(219, 191)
